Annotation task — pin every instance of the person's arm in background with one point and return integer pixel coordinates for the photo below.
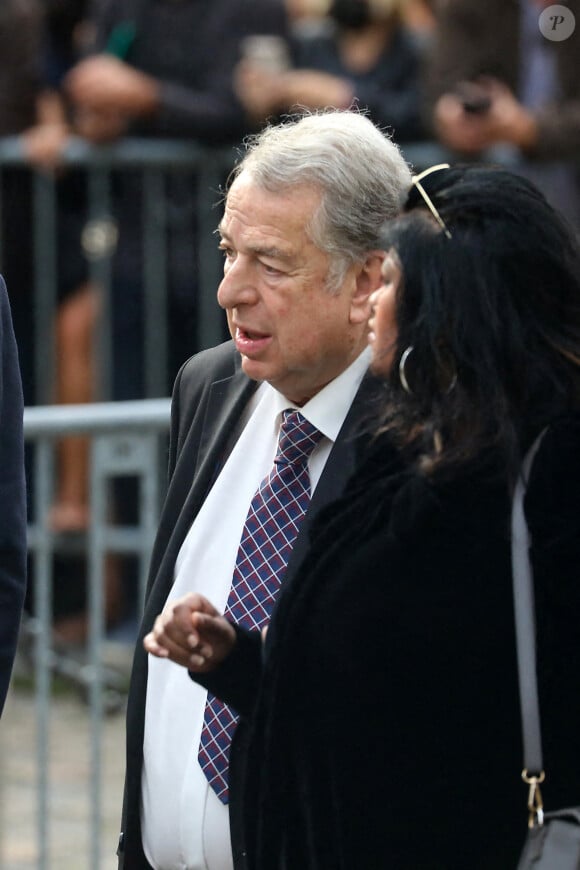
(44, 141)
(107, 85)
(59, 40)
(12, 497)
(27, 106)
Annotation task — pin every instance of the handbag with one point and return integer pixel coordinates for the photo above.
(553, 839)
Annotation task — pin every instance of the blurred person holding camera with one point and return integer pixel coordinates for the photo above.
(503, 83)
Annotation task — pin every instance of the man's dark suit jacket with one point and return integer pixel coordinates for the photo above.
(12, 497)
(210, 394)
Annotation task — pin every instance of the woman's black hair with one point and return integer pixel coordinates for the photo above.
(492, 314)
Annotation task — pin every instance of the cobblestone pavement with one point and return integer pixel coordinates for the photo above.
(69, 781)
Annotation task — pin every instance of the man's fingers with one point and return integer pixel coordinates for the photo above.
(164, 648)
(211, 624)
(184, 608)
(151, 646)
(198, 664)
(201, 605)
(169, 637)
(188, 632)
(199, 647)
(168, 640)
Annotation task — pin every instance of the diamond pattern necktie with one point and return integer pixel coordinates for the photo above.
(269, 532)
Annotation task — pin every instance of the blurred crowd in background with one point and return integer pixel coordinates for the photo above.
(481, 79)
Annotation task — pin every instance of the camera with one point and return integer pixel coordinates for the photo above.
(474, 98)
(476, 105)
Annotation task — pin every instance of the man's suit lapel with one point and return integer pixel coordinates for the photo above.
(196, 469)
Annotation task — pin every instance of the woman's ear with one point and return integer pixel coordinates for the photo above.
(367, 280)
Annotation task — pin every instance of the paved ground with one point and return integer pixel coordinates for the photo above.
(69, 783)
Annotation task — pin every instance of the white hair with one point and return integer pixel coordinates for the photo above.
(360, 172)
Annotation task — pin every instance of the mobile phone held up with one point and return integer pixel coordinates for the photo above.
(268, 51)
(476, 105)
(474, 98)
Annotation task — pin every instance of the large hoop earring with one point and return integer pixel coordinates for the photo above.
(402, 374)
(405, 380)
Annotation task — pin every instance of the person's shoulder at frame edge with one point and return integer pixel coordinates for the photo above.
(12, 493)
(8, 347)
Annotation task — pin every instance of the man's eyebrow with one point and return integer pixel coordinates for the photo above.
(270, 251)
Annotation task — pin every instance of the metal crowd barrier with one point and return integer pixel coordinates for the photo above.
(125, 440)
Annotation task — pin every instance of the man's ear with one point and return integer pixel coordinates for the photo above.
(367, 280)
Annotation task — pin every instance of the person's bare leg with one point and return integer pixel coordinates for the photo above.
(75, 332)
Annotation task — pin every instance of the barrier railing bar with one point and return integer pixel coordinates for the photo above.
(45, 298)
(96, 633)
(42, 617)
(100, 272)
(175, 154)
(127, 153)
(155, 283)
(134, 415)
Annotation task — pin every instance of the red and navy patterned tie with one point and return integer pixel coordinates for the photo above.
(269, 532)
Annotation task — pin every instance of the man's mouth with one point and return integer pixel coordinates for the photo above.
(251, 341)
(251, 334)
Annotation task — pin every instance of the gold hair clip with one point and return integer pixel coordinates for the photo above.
(416, 181)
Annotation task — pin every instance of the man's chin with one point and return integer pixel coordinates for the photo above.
(255, 369)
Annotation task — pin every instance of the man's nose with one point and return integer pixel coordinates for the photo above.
(237, 287)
